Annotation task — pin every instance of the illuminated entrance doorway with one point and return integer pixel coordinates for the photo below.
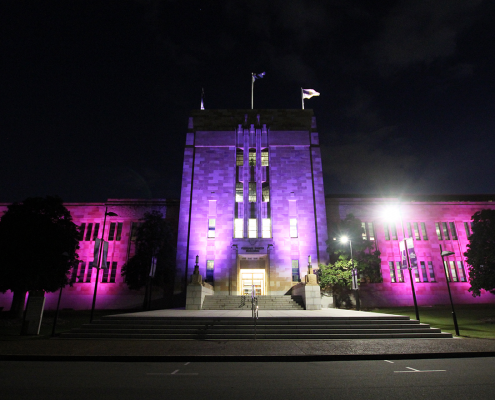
(250, 277)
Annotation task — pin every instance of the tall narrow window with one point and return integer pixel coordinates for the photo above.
(371, 231)
(264, 158)
(266, 228)
(211, 227)
(468, 230)
(439, 230)
(73, 277)
(423, 231)
(423, 271)
(104, 278)
(134, 228)
(252, 228)
(409, 230)
(431, 271)
(293, 228)
(400, 275)
(453, 271)
(82, 269)
(363, 230)
(416, 231)
(210, 264)
(453, 231)
(111, 232)
(387, 233)
(238, 228)
(88, 232)
(266, 192)
(89, 272)
(394, 232)
(445, 231)
(239, 157)
(96, 231)
(416, 274)
(462, 274)
(295, 271)
(82, 227)
(252, 158)
(392, 271)
(113, 274)
(239, 192)
(252, 192)
(118, 234)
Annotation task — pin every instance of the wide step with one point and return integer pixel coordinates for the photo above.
(270, 302)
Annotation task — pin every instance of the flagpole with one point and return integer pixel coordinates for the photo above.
(302, 98)
(252, 89)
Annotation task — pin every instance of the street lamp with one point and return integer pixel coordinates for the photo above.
(100, 250)
(395, 213)
(446, 254)
(345, 239)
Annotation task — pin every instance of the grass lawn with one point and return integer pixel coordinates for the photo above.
(474, 320)
(67, 319)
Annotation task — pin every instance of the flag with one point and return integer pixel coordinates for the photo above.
(97, 253)
(153, 267)
(308, 93)
(258, 76)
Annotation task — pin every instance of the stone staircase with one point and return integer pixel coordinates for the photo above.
(242, 328)
(225, 302)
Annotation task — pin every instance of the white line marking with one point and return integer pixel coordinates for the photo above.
(173, 373)
(187, 363)
(391, 362)
(426, 370)
(412, 369)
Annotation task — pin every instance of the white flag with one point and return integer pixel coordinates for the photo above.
(308, 93)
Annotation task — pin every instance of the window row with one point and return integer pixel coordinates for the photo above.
(266, 228)
(239, 158)
(239, 192)
(426, 273)
(417, 230)
(89, 232)
(84, 271)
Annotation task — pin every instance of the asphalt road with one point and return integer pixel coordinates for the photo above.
(471, 378)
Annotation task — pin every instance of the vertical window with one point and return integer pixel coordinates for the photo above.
(252, 228)
(113, 274)
(81, 231)
(89, 272)
(252, 158)
(394, 231)
(293, 227)
(82, 268)
(400, 275)
(371, 231)
(104, 278)
(264, 158)
(363, 230)
(265, 192)
(134, 229)
(423, 231)
(387, 233)
(239, 158)
(445, 231)
(423, 271)
(73, 277)
(416, 274)
(439, 230)
(409, 230)
(431, 271)
(295, 271)
(392, 271)
(462, 274)
(453, 271)
(111, 233)
(96, 231)
(118, 236)
(210, 264)
(238, 228)
(252, 192)
(239, 192)
(88, 232)
(468, 230)
(416, 231)
(211, 227)
(453, 231)
(266, 228)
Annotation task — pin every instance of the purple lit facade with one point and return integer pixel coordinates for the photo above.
(252, 209)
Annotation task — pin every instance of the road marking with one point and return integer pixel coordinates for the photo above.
(187, 363)
(391, 362)
(412, 369)
(173, 373)
(425, 370)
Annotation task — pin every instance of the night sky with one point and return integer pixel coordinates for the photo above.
(95, 95)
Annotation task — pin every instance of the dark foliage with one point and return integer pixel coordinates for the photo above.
(481, 253)
(38, 244)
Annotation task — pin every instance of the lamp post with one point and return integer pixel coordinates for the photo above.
(100, 250)
(345, 239)
(446, 254)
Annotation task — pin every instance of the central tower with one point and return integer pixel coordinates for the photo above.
(252, 202)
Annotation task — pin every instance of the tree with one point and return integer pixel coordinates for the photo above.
(365, 258)
(38, 244)
(157, 237)
(480, 255)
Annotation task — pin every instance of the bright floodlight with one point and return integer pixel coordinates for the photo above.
(344, 239)
(392, 213)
